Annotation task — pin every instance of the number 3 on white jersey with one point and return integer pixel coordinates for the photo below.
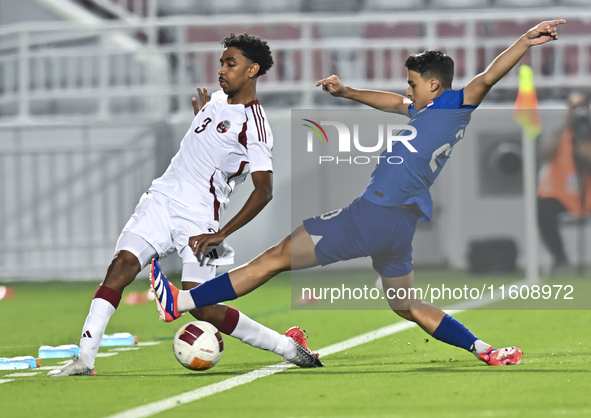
(445, 148)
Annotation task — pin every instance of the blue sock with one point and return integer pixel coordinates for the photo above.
(219, 289)
(453, 332)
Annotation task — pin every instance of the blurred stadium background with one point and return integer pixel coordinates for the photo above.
(95, 96)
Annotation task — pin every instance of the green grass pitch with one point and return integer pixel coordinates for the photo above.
(407, 374)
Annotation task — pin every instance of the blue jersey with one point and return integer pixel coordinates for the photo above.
(440, 125)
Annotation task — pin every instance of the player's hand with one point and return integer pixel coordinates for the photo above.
(333, 85)
(544, 32)
(199, 243)
(203, 98)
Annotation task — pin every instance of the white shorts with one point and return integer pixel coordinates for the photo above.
(166, 226)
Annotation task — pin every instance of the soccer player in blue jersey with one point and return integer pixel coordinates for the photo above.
(382, 221)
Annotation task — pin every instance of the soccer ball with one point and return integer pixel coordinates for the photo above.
(198, 345)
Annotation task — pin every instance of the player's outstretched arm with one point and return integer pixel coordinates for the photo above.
(382, 100)
(258, 199)
(482, 83)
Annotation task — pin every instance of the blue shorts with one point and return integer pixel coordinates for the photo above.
(366, 229)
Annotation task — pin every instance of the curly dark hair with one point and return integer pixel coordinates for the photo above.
(253, 48)
(434, 64)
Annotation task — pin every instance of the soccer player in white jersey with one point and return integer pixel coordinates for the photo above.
(228, 139)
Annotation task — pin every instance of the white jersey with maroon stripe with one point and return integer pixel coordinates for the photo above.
(224, 144)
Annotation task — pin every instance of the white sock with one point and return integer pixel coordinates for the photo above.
(184, 302)
(479, 347)
(259, 336)
(94, 328)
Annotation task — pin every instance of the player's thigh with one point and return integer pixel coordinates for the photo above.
(303, 254)
(186, 223)
(132, 254)
(143, 251)
(196, 272)
(333, 236)
(150, 221)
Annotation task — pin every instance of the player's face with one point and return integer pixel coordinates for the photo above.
(235, 72)
(420, 90)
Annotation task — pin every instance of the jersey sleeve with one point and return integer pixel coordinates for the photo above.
(259, 141)
(461, 104)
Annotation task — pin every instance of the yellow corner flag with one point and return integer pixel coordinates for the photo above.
(526, 112)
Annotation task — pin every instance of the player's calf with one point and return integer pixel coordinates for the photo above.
(122, 271)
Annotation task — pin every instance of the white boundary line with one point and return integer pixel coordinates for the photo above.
(22, 374)
(165, 404)
(113, 352)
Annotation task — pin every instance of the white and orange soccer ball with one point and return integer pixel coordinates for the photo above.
(198, 345)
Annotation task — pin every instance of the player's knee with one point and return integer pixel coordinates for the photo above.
(278, 257)
(283, 250)
(410, 308)
(122, 270)
(403, 308)
(399, 304)
(125, 261)
(405, 313)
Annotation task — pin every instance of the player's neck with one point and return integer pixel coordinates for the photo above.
(244, 96)
(438, 93)
(434, 96)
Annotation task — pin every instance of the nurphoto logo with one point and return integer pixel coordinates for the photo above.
(393, 133)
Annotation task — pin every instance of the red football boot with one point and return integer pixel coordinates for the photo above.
(501, 356)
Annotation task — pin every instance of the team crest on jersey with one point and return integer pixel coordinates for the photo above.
(431, 103)
(223, 126)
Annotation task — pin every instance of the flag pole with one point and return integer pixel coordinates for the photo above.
(531, 215)
(527, 115)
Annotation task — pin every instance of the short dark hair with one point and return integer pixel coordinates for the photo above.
(253, 48)
(434, 64)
